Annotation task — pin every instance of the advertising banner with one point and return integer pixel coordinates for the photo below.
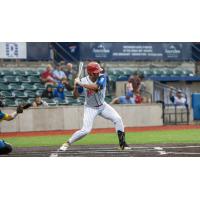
(128, 51)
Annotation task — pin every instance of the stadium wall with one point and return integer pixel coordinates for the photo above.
(70, 117)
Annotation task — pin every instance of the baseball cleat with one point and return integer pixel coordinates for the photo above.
(127, 147)
(64, 147)
(121, 136)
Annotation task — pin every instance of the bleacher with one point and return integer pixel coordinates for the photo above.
(22, 85)
(166, 74)
(19, 85)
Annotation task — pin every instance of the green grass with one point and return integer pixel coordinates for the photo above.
(149, 137)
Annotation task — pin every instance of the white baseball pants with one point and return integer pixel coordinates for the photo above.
(105, 111)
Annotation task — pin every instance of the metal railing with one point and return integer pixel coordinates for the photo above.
(172, 113)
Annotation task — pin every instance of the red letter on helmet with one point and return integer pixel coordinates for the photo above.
(93, 67)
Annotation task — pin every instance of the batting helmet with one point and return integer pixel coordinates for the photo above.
(94, 67)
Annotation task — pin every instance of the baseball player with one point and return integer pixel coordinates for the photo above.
(94, 88)
(6, 148)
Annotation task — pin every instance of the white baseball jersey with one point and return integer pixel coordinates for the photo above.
(178, 101)
(92, 98)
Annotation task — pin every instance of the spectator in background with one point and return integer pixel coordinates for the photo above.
(70, 74)
(48, 92)
(47, 76)
(59, 74)
(136, 82)
(177, 99)
(128, 99)
(129, 85)
(38, 102)
(138, 98)
(59, 92)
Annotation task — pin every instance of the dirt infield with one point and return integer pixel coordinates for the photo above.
(159, 150)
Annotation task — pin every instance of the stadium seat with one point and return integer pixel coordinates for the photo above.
(30, 100)
(34, 79)
(108, 99)
(147, 72)
(19, 94)
(15, 86)
(128, 71)
(187, 73)
(28, 86)
(23, 79)
(117, 72)
(30, 93)
(9, 102)
(10, 79)
(7, 94)
(39, 92)
(2, 80)
(113, 78)
(68, 93)
(39, 71)
(32, 73)
(61, 102)
(122, 78)
(176, 72)
(73, 101)
(6, 72)
(19, 72)
(51, 102)
(166, 72)
(20, 101)
(4, 86)
(39, 86)
(157, 72)
(110, 71)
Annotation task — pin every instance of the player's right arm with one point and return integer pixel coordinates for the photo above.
(77, 90)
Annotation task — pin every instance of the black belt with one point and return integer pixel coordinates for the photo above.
(98, 106)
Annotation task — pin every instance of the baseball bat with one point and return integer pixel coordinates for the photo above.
(80, 68)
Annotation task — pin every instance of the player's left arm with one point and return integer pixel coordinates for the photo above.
(9, 117)
(99, 85)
